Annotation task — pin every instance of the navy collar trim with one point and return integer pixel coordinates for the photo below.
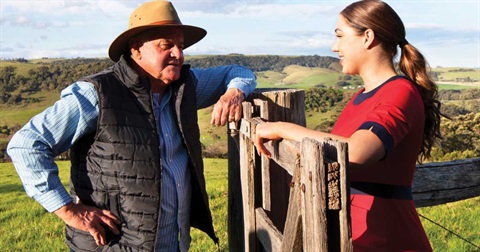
(364, 96)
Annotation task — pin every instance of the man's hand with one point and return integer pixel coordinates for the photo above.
(228, 108)
(89, 219)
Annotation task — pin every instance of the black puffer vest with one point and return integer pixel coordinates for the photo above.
(118, 167)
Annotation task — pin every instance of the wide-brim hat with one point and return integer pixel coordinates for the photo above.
(150, 15)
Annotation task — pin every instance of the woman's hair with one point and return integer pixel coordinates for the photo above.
(390, 31)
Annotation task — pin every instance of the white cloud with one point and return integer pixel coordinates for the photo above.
(448, 32)
(115, 9)
(83, 50)
(41, 7)
(78, 8)
(21, 20)
(263, 11)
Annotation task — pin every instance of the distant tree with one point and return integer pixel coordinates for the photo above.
(461, 138)
(4, 97)
(7, 74)
(341, 84)
(15, 99)
(22, 60)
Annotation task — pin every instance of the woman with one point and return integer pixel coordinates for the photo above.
(389, 124)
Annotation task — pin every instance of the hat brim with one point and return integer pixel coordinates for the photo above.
(119, 46)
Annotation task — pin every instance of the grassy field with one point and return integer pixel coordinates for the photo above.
(299, 77)
(25, 226)
(457, 86)
(11, 115)
(451, 73)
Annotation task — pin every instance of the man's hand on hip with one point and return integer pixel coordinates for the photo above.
(89, 219)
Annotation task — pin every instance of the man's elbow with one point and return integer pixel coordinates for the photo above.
(17, 144)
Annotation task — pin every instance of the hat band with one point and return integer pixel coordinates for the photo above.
(165, 22)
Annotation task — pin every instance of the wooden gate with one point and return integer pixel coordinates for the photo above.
(298, 200)
(289, 203)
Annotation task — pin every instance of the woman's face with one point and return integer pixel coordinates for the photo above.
(349, 46)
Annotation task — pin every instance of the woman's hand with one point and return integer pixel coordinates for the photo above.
(266, 132)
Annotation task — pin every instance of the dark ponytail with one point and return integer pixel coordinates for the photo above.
(414, 66)
(390, 31)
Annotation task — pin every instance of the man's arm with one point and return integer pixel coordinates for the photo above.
(45, 136)
(227, 87)
(48, 134)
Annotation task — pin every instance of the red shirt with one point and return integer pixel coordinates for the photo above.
(383, 214)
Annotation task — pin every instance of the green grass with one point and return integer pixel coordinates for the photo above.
(216, 176)
(11, 115)
(451, 73)
(25, 226)
(21, 68)
(461, 218)
(209, 133)
(300, 77)
(456, 86)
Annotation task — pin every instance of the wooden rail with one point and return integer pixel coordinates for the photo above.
(443, 182)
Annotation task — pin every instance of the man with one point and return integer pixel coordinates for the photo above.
(137, 180)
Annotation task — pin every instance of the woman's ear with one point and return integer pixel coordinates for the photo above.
(368, 38)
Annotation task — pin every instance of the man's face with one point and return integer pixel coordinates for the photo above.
(161, 54)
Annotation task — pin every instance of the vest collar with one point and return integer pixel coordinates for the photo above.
(129, 77)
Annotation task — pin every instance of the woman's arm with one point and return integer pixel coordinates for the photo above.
(364, 147)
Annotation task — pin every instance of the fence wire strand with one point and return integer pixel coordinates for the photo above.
(450, 231)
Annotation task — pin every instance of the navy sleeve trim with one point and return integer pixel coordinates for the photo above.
(381, 133)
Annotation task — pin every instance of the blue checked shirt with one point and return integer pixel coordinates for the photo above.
(53, 131)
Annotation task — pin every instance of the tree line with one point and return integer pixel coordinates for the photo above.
(57, 74)
(461, 134)
(263, 63)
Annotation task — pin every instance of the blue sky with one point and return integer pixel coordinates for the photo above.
(446, 32)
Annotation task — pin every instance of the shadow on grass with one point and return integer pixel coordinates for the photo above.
(9, 188)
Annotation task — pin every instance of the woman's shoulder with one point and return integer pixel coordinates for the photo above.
(399, 83)
(399, 86)
(400, 90)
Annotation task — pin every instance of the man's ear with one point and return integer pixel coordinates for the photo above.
(368, 38)
(134, 44)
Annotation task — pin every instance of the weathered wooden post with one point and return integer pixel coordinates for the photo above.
(287, 105)
(283, 105)
(235, 208)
